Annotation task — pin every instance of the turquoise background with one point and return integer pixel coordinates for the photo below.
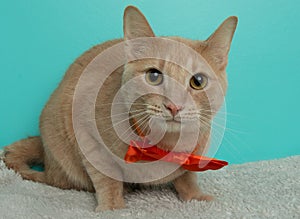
(40, 39)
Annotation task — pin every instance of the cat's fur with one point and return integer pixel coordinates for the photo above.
(57, 149)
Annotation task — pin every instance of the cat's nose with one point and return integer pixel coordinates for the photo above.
(174, 109)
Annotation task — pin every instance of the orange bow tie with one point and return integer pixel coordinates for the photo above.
(139, 150)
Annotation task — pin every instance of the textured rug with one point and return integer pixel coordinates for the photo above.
(265, 189)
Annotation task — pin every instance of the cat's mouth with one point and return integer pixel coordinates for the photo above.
(174, 121)
(165, 132)
(179, 120)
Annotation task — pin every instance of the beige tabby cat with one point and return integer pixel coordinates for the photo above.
(65, 165)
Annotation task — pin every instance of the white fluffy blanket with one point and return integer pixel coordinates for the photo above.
(265, 189)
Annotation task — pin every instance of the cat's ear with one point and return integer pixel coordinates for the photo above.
(135, 24)
(218, 44)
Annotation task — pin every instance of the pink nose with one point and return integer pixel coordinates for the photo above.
(174, 109)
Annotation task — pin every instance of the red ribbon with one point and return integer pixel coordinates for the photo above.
(139, 150)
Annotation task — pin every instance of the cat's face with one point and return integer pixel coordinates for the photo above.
(174, 97)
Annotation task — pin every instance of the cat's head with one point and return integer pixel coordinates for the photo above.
(174, 96)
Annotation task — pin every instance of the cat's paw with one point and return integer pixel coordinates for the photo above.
(204, 197)
(110, 206)
(199, 197)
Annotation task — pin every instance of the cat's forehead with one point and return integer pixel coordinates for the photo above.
(197, 45)
(188, 58)
(170, 54)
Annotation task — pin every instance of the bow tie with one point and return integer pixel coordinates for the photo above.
(140, 150)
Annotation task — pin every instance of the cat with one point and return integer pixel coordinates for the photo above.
(65, 165)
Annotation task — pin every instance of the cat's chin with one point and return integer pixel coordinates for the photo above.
(167, 126)
(174, 126)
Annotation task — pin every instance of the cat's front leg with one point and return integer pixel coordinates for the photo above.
(109, 192)
(188, 189)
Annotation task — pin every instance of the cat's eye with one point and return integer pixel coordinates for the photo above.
(198, 81)
(154, 77)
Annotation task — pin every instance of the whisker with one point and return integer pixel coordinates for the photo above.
(128, 129)
(220, 112)
(213, 122)
(142, 122)
(123, 120)
(223, 137)
(119, 114)
(124, 103)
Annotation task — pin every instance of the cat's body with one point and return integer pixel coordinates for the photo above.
(65, 165)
